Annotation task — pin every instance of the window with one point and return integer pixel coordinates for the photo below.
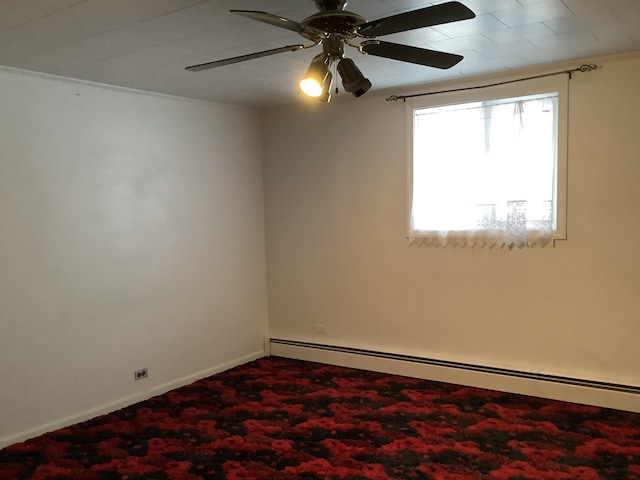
(489, 169)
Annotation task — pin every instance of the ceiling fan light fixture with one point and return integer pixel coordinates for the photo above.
(325, 96)
(313, 83)
(353, 80)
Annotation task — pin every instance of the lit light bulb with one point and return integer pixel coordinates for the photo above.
(313, 83)
(311, 87)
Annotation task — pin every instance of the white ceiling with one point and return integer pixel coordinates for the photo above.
(146, 44)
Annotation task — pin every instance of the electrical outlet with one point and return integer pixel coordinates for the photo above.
(320, 328)
(140, 374)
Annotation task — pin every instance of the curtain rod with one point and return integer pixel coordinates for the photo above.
(588, 67)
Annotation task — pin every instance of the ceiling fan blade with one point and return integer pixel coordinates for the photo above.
(277, 21)
(423, 17)
(242, 58)
(406, 53)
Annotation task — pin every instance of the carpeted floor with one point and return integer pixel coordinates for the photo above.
(277, 419)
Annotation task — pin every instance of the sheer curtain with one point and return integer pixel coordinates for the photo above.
(484, 173)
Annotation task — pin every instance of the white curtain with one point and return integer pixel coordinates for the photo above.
(484, 174)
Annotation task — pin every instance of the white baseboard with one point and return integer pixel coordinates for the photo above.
(527, 386)
(552, 388)
(126, 401)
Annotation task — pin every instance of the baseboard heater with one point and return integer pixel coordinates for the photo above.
(616, 387)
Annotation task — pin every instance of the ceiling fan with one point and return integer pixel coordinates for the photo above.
(334, 28)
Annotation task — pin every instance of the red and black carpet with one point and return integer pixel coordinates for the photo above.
(285, 419)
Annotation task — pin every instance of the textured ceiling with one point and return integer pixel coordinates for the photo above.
(146, 44)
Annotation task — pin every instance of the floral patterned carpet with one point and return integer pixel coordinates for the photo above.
(281, 419)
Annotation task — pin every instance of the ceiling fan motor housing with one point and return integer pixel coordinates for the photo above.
(341, 23)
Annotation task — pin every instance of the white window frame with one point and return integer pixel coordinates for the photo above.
(558, 84)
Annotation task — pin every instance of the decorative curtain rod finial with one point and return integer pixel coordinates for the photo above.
(588, 67)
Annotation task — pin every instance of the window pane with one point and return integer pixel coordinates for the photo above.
(471, 160)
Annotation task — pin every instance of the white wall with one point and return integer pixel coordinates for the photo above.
(335, 179)
(131, 236)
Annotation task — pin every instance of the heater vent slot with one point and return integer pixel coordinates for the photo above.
(616, 387)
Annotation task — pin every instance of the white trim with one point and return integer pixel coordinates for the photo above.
(409, 108)
(126, 401)
(526, 386)
(562, 172)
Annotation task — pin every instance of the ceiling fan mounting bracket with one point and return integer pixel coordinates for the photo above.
(331, 4)
(366, 43)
